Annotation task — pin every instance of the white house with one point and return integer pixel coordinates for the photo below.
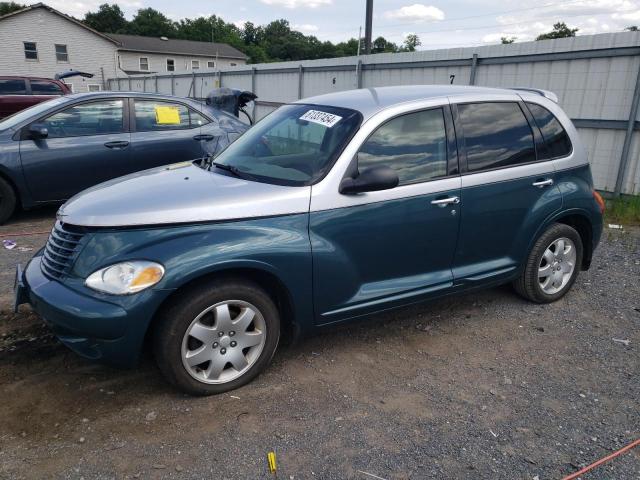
(41, 41)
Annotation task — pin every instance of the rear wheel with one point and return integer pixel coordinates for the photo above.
(217, 337)
(552, 265)
(7, 200)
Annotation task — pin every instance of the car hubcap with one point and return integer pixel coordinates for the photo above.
(557, 265)
(223, 342)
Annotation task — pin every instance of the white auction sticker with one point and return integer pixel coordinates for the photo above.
(321, 118)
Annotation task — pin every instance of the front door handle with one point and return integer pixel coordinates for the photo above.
(117, 144)
(205, 137)
(543, 183)
(443, 202)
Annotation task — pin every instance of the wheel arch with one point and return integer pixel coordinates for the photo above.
(258, 274)
(579, 220)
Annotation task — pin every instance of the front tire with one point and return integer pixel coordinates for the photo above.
(7, 200)
(217, 337)
(552, 265)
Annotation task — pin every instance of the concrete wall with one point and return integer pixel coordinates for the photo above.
(594, 76)
(87, 51)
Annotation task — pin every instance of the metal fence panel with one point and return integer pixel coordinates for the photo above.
(594, 77)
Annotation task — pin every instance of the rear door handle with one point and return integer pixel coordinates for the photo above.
(117, 144)
(205, 137)
(443, 202)
(543, 183)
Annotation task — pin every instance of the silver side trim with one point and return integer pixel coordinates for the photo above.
(509, 173)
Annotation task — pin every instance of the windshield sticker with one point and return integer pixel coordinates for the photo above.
(167, 115)
(321, 118)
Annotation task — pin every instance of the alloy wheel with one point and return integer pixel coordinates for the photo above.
(223, 342)
(557, 265)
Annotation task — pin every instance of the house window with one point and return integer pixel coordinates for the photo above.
(93, 87)
(144, 64)
(30, 51)
(233, 64)
(195, 64)
(61, 53)
(211, 64)
(171, 65)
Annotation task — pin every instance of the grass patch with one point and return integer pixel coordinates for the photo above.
(624, 210)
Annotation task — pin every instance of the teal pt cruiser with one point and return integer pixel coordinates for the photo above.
(330, 209)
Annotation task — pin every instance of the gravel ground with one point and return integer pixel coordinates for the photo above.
(483, 385)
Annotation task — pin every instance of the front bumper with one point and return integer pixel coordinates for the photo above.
(96, 326)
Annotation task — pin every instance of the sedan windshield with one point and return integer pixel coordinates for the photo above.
(295, 145)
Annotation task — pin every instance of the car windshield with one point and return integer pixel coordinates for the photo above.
(295, 145)
(19, 117)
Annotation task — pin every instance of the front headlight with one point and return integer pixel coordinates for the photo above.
(126, 278)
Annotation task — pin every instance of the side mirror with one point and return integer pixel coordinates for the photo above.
(370, 180)
(38, 131)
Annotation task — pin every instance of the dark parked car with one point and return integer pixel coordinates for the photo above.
(53, 150)
(18, 93)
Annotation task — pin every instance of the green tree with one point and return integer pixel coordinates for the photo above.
(382, 45)
(108, 19)
(560, 30)
(151, 23)
(507, 40)
(411, 42)
(9, 7)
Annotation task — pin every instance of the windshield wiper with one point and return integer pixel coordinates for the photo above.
(229, 168)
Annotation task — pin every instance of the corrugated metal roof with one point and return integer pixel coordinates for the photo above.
(173, 46)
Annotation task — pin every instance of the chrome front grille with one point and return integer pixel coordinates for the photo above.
(61, 250)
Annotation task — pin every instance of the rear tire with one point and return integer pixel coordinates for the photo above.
(217, 336)
(7, 200)
(552, 265)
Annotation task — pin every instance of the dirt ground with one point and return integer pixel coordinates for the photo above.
(484, 386)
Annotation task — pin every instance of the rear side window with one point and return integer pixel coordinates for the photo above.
(414, 145)
(152, 115)
(12, 87)
(496, 135)
(40, 87)
(556, 140)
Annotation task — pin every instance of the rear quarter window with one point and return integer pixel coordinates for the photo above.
(556, 140)
(496, 135)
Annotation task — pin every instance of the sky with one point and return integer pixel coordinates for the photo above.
(439, 24)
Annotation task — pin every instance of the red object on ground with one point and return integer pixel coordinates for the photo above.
(603, 460)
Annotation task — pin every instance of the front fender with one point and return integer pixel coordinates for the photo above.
(278, 246)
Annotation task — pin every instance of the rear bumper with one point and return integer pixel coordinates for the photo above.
(99, 327)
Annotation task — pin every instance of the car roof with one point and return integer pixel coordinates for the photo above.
(369, 101)
(114, 93)
(26, 77)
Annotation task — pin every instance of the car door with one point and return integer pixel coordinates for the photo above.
(13, 96)
(87, 143)
(387, 248)
(164, 132)
(507, 192)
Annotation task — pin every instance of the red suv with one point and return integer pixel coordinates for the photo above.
(18, 93)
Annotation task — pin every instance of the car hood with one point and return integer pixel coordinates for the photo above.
(180, 193)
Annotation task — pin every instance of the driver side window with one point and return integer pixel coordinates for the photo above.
(414, 145)
(93, 118)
